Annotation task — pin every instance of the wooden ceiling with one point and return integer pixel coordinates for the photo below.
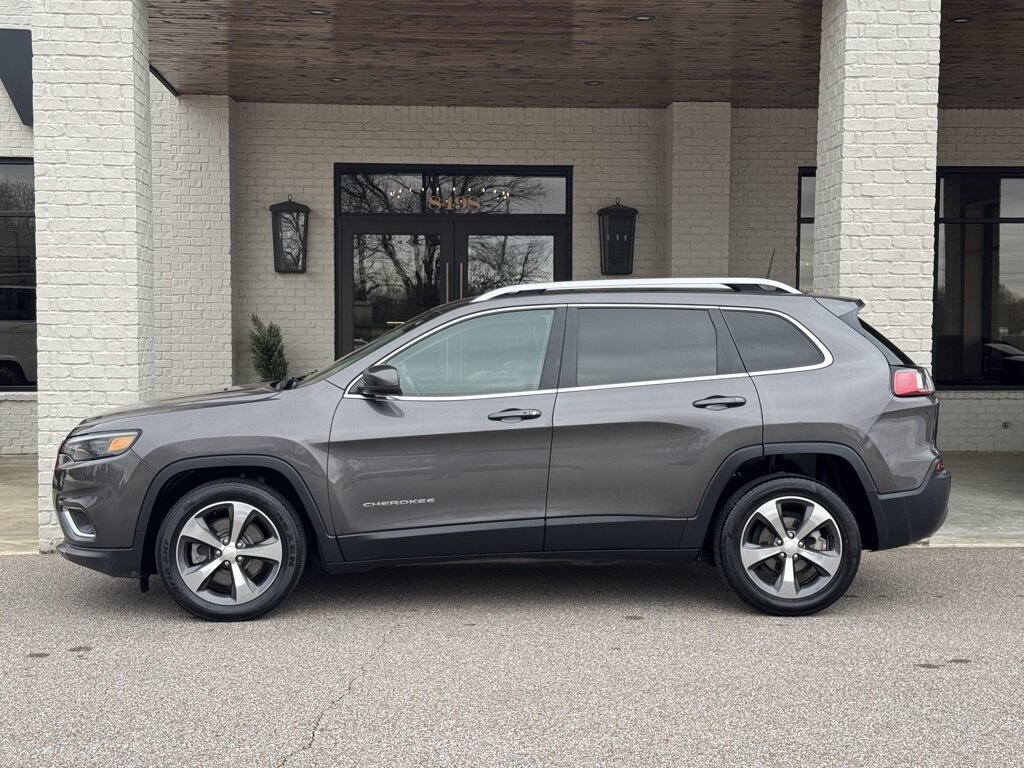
(543, 52)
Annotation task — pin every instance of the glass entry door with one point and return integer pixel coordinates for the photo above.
(393, 269)
(493, 254)
(390, 272)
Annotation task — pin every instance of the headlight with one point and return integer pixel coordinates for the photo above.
(98, 446)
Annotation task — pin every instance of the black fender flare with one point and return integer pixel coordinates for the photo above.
(696, 529)
(238, 460)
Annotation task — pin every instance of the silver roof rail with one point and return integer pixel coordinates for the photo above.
(683, 283)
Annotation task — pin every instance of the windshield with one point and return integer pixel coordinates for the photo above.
(367, 350)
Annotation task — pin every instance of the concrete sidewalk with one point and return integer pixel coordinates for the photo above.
(19, 518)
(986, 509)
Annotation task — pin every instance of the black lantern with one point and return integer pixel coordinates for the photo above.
(290, 222)
(618, 231)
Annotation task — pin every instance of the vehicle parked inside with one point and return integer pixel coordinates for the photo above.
(736, 421)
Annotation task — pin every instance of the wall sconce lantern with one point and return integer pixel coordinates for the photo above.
(290, 222)
(618, 233)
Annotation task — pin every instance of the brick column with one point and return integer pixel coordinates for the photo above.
(875, 198)
(93, 223)
(697, 158)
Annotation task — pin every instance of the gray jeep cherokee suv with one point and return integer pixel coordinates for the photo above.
(739, 421)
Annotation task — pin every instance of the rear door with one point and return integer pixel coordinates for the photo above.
(652, 400)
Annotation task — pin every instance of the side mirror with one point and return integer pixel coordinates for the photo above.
(380, 381)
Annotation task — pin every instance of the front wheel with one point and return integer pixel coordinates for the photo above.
(230, 550)
(787, 545)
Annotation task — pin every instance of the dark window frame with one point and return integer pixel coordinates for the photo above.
(345, 222)
(803, 172)
(18, 214)
(941, 172)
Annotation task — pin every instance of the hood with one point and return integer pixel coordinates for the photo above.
(229, 396)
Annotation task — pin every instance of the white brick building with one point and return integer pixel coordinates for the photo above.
(153, 246)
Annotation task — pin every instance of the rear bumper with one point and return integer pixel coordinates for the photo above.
(125, 563)
(909, 516)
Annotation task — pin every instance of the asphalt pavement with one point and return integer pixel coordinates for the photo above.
(922, 663)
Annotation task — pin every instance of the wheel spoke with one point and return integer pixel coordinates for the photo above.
(754, 554)
(815, 518)
(244, 589)
(197, 576)
(826, 561)
(769, 512)
(270, 550)
(785, 584)
(240, 516)
(197, 530)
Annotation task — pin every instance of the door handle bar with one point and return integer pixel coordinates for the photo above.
(719, 402)
(513, 415)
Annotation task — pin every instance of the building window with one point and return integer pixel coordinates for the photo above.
(17, 275)
(805, 231)
(979, 277)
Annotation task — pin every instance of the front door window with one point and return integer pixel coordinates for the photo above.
(491, 354)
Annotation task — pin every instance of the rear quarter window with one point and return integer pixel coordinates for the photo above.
(769, 342)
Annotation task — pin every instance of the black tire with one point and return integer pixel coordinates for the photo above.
(272, 525)
(741, 525)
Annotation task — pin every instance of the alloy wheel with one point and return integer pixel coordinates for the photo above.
(228, 553)
(791, 547)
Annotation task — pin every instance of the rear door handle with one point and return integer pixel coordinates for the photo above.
(720, 402)
(512, 415)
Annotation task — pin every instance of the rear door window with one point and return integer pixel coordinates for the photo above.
(630, 344)
(768, 342)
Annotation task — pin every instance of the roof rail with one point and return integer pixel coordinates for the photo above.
(681, 283)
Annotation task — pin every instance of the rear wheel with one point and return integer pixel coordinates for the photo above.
(230, 550)
(788, 545)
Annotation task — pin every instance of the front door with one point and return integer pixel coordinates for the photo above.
(458, 463)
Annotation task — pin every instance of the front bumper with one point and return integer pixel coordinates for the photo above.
(126, 563)
(909, 516)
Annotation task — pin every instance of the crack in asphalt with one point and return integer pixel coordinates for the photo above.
(360, 674)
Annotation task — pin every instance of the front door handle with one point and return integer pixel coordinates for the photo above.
(512, 415)
(720, 402)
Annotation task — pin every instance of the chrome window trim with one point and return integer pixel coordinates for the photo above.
(827, 358)
(382, 361)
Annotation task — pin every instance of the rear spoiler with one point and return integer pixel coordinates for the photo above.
(847, 310)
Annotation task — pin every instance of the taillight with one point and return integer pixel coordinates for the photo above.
(911, 382)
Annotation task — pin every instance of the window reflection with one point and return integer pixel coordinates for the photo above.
(396, 278)
(979, 288)
(499, 260)
(17, 276)
(440, 193)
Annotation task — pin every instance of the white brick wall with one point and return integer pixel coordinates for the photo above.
(93, 218)
(281, 149)
(16, 14)
(768, 148)
(697, 160)
(981, 421)
(15, 136)
(981, 137)
(191, 242)
(877, 124)
(18, 426)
